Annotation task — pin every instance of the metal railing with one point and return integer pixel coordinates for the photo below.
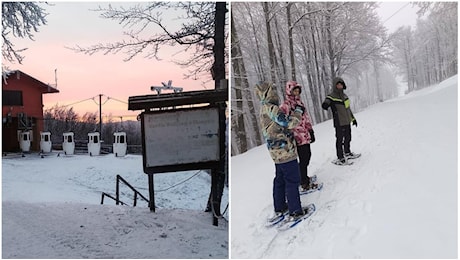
(117, 193)
(110, 196)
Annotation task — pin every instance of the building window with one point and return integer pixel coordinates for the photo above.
(12, 98)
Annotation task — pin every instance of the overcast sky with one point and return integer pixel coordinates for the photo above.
(396, 14)
(81, 76)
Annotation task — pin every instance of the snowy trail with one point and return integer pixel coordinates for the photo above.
(374, 208)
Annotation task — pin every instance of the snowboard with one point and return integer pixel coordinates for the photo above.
(302, 192)
(281, 222)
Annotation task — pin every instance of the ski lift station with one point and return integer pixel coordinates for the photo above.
(45, 142)
(119, 144)
(94, 144)
(68, 145)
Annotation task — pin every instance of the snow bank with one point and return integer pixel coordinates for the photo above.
(51, 210)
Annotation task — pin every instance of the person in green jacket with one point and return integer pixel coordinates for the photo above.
(342, 116)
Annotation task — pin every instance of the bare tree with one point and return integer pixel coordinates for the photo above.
(20, 20)
(237, 102)
(428, 54)
(291, 43)
(311, 42)
(271, 50)
(197, 33)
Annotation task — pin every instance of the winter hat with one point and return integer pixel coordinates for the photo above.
(291, 85)
(266, 93)
(338, 80)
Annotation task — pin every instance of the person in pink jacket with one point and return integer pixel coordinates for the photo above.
(303, 133)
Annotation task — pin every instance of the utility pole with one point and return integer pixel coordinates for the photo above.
(100, 115)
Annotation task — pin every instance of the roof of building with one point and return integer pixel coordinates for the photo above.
(45, 88)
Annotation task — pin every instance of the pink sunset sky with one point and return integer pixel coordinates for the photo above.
(81, 76)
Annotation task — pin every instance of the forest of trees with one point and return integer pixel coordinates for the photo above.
(313, 42)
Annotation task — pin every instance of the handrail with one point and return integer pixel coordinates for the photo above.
(110, 196)
(117, 195)
(117, 191)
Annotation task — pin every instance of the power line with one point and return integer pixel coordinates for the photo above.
(396, 12)
(93, 98)
(79, 101)
(117, 100)
(122, 115)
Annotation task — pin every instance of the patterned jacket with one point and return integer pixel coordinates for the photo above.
(276, 125)
(339, 104)
(302, 131)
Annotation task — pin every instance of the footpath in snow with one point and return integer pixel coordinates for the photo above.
(399, 200)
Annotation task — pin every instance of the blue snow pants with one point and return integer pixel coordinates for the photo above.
(286, 186)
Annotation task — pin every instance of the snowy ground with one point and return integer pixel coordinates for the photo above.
(51, 209)
(399, 200)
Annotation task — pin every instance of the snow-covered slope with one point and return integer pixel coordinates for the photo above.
(50, 209)
(399, 200)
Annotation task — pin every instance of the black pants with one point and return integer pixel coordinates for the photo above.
(304, 153)
(342, 143)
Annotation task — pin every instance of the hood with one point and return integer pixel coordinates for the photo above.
(290, 86)
(266, 93)
(337, 80)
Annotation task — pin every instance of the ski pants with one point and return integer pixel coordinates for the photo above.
(304, 153)
(342, 143)
(286, 186)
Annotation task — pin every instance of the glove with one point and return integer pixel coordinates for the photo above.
(300, 108)
(355, 123)
(312, 136)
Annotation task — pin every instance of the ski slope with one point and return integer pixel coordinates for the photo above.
(399, 200)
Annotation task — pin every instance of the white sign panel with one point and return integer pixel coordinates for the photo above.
(181, 137)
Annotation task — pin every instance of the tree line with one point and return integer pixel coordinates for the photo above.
(62, 119)
(428, 54)
(313, 42)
